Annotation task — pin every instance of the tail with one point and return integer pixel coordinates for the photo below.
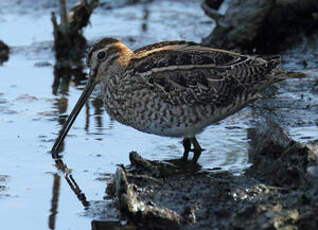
(277, 73)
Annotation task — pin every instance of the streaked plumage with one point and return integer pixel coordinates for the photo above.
(175, 88)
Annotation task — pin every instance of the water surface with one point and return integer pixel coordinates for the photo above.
(32, 112)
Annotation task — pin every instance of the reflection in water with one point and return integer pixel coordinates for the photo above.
(54, 201)
(96, 224)
(59, 164)
(111, 225)
(99, 111)
(76, 189)
(4, 52)
(144, 25)
(64, 76)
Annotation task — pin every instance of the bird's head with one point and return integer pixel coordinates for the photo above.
(106, 57)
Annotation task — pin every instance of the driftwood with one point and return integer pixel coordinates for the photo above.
(262, 26)
(146, 213)
(4, 52)
(69, 43)
(276, 192)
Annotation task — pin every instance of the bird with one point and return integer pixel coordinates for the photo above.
(173, 88)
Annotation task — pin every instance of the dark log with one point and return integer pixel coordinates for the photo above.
(140, 212)
(69, 43)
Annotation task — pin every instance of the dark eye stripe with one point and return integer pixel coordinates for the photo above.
(110, 52)
(99, 45)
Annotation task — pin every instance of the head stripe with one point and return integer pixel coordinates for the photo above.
(99, 45)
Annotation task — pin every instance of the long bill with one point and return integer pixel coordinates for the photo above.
(77, 108)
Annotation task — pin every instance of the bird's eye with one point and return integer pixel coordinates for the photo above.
(101, 55)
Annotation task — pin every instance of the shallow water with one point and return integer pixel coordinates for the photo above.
(32, 113)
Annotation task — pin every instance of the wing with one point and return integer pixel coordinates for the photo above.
(188, 73)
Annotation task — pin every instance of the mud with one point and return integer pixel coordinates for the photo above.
(276, 192)
(263, 26)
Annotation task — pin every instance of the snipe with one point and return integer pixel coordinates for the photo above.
(173, 88)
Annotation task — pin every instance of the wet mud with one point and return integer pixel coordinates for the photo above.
(262, 27)
(279, 190)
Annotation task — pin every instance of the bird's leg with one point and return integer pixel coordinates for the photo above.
(187, 147)
(196, 149)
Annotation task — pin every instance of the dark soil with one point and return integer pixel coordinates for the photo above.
(277, 192)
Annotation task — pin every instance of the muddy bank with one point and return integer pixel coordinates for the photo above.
(265, 26)
(279, 190)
